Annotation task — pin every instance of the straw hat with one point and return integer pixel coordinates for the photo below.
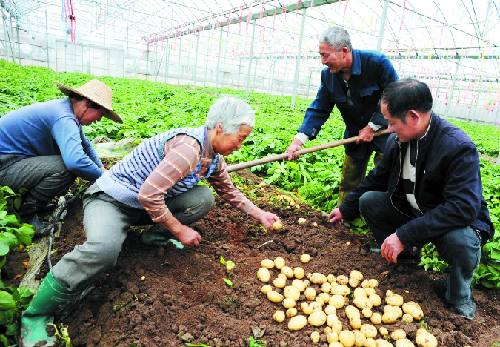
(97, 92)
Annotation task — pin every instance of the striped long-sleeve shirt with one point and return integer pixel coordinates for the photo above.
(182, 154)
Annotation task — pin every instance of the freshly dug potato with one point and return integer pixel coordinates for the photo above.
(369, 342)
(370, 291)
(393, 299)
(310, 293)
(351, 312)
(277, 225)
(298, 272)
(267, 263)
(287, 271)
(391, 314)
(376, 318)
(326, 287)
(274, 296)
(279, 316)
(325, 297)
(359, 338)
(296, 323)
(383, 331)
(318, 278)
(305, 258)
(346, 338)
(413, 309)
(425, 339)
(291, 292)
(383, 343)
(279, 282)
(306, 308)
(355, 322)
(375, 299)
(342, 279)
(266, 288)
(279, 262)
(356, 275)
(372, 283)
(288, 303)
(329, 309)
(263, 274)
(335, 324)
(315, 337)
(299, 284)
(366, 312)
(398, 334)
(407, 318)
(368, 330)
(337, 301)
(291, 312)
(404, 343)
(317, 318)
(332, 336)
(335, 344)
(362, 302)
(331, 278)
(302, 221)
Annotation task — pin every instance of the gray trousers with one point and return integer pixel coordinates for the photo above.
(460, 248)
(106, 223)
(44, 177)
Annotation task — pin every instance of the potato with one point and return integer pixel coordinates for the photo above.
(277, 225)
(279, 316)
(404, 343)
(383, 331)
(306, 308)
(266, 288)
(355, 322)
(335, 324)
(369, 291)
(287, 271)
(329, 309)
(263, 274)
(274, 296)
(317, 318)
(298, 272)
(366, 312)
(318, 278)
(413, 309)
(326, 287)
(407, 318)
(288, 303)
(337, 301)
(332, 336)
(425, 339)
(359, 292)
(353, 282)
(331, 278)
(267, 263)
(299, 284)
(327, 330)
(335, 344)
(369, 342)
(325, 297)
(359, 338)
(393, 299)
(375, 299)
(302, 221)
(356, 275)
(317, 305)
(383, 343)
(341, 289)
(279, 262)
(305, 258)
(365, 284)
(351, 312)
(342, 279)
(368, 330)
(398, 334)
(291, 312)
(310, 293)
(391, 314)
(279, 282)
(346, 338)
(376, 318)
(291, 292)
(297, 322)
(362, 302)
(372, 283)
(315, 337)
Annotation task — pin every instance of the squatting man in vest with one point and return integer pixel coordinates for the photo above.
(426, 189)
(155, 183)
(353, 80)
(43, 147)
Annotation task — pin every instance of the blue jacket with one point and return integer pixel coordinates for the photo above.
(448, 186)
(370, 73)
(49, 128)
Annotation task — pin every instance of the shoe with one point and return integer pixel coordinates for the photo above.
(466, 310)
(157, 236)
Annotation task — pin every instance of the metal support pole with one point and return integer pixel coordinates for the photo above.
(167, 60)
(382, 25)
(179, 61)
(218, 60)
(47, 39)
(196, 57)
(452, 89)
(273, 68)
(251, 58)
(297, 60)
(309, 83)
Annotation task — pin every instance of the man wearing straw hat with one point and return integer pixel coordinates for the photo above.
(43, 147)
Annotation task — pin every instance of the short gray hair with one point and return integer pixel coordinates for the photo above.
(337, 37)
(232, 112)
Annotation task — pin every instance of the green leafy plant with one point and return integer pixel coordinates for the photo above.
(230, 265)
(253, 342)
(62, 335)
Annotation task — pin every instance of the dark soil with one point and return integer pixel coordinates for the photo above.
(159, 296)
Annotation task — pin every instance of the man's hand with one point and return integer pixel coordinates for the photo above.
(187, 236)
(365, 134)
(391, 248)
(294, 147)
(267, 219)
(335, 215)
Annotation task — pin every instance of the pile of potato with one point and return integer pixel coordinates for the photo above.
(314, 299)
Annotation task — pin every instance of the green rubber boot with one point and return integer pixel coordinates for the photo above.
(51, 297)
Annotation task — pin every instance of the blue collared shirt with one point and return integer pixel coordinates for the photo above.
(370, 73)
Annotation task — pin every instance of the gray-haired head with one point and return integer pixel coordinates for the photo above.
(232, 113)
(337, 37)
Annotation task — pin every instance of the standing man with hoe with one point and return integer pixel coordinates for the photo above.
(353, 80)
